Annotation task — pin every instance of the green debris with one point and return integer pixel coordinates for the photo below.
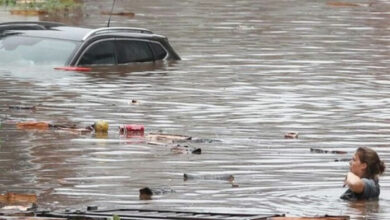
(116, 217)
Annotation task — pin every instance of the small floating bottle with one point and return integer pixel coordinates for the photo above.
(131, 130)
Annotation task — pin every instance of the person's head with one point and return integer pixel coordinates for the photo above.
(366, 163)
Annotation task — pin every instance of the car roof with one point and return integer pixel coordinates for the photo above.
(63, 32)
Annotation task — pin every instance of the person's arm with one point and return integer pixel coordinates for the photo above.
(354, 183)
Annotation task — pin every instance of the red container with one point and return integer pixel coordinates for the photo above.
(132, 130)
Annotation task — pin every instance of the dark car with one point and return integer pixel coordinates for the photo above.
(50, 43)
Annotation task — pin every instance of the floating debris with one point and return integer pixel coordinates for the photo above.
(101, 126)
(226, 177)
(234, 185)
(17, 107)
(146, 193)
(186, 149)
(342, 4)
(122, 13)
(342, 160)
(317, 150)
(291, 135)
(131, 130)
(40, 125)
(154, 138)
(204, 140)
(16, 198)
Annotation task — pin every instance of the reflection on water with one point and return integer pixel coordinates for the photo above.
(251, 72)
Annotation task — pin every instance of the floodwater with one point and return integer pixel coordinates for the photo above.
(250, 72)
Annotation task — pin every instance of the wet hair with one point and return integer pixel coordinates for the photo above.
(375, 166)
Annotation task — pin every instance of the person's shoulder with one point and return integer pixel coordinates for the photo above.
(371, 188)
(371, 182)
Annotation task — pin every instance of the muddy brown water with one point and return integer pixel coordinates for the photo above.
(251, 72)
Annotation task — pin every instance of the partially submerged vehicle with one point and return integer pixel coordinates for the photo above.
(51, 43)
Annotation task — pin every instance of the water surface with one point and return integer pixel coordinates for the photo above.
(251, 71)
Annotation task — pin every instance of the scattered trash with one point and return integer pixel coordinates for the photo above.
(291, 135)
(101, 126)
(186, 149)
(33, 108)
(132, 130)
(40, 125)
(135, 102)
(226, 177)
(154, 138)
(317, 150)
(342, 4)
(17, 198)
(122, 13)
(204, 140)
(146, 193)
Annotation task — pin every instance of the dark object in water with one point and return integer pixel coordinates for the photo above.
(186, 149)
(204, 140)
(145, 214)
(227, 177)
(14, 107)
(342, 160)
(291, 135)
(122, 13)
(317, 150)
(197, 151)
(132, 213)
(146, 193)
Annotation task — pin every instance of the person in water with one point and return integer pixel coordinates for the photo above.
(363, 178)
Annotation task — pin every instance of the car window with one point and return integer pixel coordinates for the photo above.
(25, 50)
(101, 53)
(158, 51)
(133, 51)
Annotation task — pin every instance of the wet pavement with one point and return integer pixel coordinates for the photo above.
(251, 72)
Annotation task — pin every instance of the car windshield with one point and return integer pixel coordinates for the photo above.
(25, 50)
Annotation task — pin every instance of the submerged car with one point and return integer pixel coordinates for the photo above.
(50, 43)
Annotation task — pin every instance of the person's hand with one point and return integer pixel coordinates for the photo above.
(354, 182)
(348, 177)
